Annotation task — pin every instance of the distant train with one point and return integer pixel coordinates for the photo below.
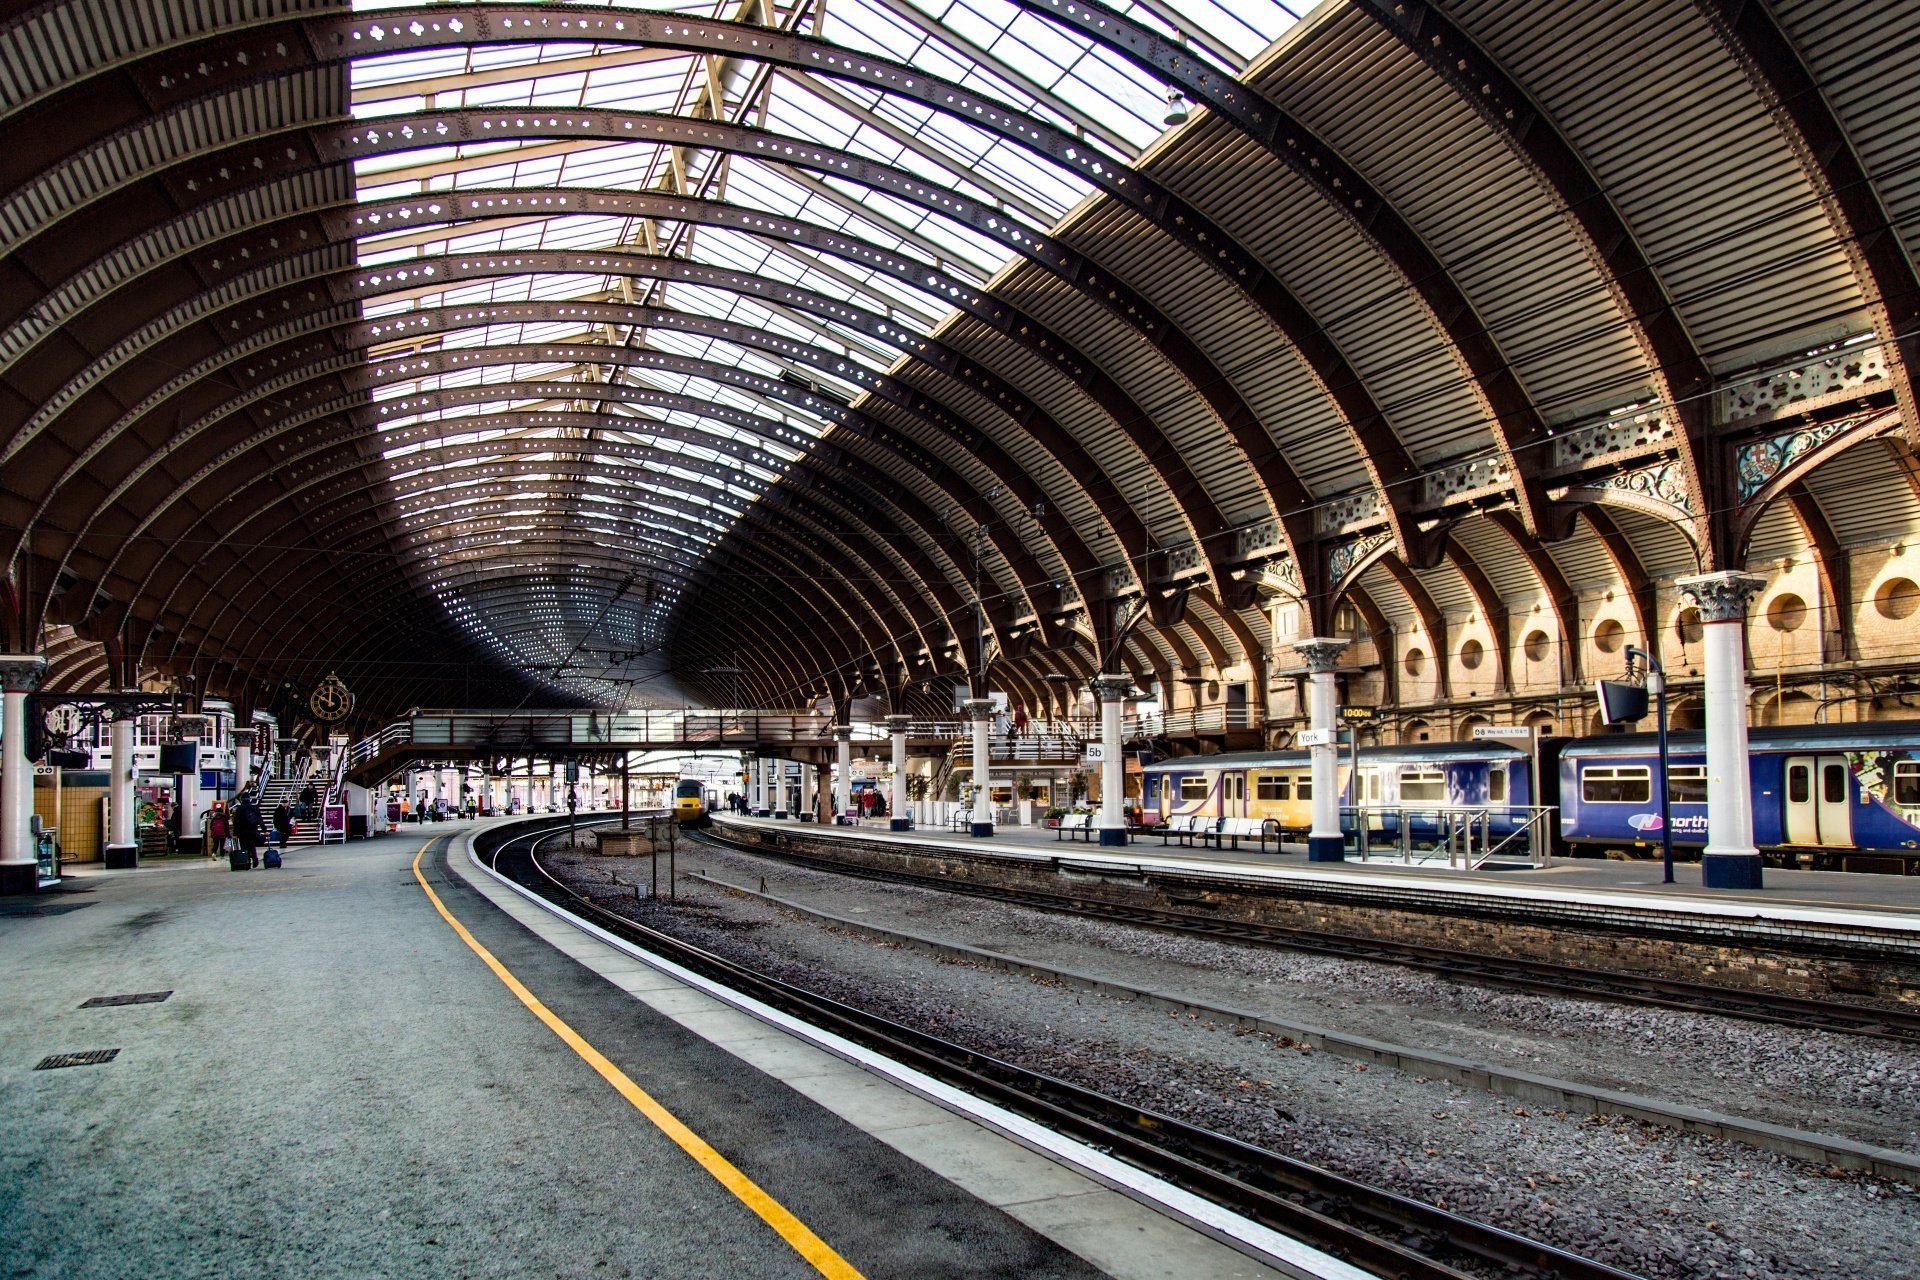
(691, 805)
(1829, 796)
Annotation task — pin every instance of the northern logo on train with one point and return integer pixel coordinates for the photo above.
(331, 701)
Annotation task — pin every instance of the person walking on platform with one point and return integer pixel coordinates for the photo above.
(282, 824)
(1020, 719)
(214, 831)
(308, 799)
(246, 829)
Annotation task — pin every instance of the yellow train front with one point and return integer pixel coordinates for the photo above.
(690, 803)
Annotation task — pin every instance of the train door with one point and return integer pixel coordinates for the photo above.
(1816, 805)
(1233, 795)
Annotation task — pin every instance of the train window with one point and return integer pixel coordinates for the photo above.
(1194, 787)
(1303, 786)
(1497, 784)
(1687, 784)
(1422, 784)
(1798, 789)
(1278, 786)
(1616, 784)
(1906, 782)
(1833, 783)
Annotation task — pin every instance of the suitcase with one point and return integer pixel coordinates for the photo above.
(237, 860)
(272, 858)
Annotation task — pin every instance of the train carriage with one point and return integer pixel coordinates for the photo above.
(1424, 780)
(691, 806)
(1840, 796)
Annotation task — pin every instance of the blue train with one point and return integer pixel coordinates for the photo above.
(1844, 797)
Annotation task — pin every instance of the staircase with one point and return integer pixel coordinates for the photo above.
(305, 830)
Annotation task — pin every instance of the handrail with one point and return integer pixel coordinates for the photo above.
(1456, 828)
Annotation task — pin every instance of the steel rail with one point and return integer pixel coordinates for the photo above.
(1538, 977)
(1393, 1235)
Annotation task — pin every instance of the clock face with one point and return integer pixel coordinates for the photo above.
(330, 700)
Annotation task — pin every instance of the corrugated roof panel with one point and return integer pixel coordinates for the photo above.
(1583, 560)
(1728, 220)
(1776, 535)
(1448, 588)
(1865, 497)
(1353, 294)
(1392, 601)
(1867, 66)
(1498, 234)
(1665, 552)
(1256, 358)
(1175, 408)
(1500, 558)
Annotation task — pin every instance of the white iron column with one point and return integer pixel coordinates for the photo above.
(897, 819)
(980, 711)
(1730, 860)
(777, 779)
(1324, 841)
(842, 769)
(242, 763)
(19, 863)
(120, 794)
(1112, 692)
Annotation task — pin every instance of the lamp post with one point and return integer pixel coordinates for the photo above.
(1656, 684)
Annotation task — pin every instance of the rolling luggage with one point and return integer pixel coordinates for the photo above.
(237, 860)
(272, 858)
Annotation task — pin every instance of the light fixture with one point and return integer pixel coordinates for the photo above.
(1177, 108)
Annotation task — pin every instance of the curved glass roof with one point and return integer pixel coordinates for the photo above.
(653, 480)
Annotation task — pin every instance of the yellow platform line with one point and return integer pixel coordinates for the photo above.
(816, 1251)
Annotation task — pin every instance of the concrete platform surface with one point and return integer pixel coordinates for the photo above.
(1824, 897)
(338, 1086)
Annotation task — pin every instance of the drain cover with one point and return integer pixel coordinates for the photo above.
(143, 997)
(91, 1057)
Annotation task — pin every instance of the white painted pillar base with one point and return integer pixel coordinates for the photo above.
(842, 770)
(1730, 859)
(1112, 691)
(980, 712)
(19, 860)
(897, 819)
(1325, 843)
(120, 843)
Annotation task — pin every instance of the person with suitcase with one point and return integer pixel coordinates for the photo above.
(246, 830)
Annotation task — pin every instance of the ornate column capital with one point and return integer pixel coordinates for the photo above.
(1112, 688)
(21, 672)
(898, 724)
(843, 733)
(1321, 652)
(1723, 596)
(979, 708)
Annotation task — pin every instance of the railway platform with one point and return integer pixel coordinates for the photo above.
(374, 1061)
(1807, 934)
(1891, 902)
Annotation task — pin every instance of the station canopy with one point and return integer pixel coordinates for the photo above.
(754, 354)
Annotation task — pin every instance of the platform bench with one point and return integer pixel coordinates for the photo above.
(1075, 824)
(1184, 827)
(960, 820)
(1236, 829)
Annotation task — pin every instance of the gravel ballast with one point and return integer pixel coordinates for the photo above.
(1642, 1197)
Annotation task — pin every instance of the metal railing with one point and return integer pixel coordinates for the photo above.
(1464, 835)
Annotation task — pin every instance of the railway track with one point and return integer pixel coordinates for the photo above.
(1537, 977)
(1380, 1231)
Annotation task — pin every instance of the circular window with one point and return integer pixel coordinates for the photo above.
(1687, 626)
(1472, 654)
(1536, 646)
(1897, 598)
(1416, 661)
(1609, 636)
(1786, 612)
